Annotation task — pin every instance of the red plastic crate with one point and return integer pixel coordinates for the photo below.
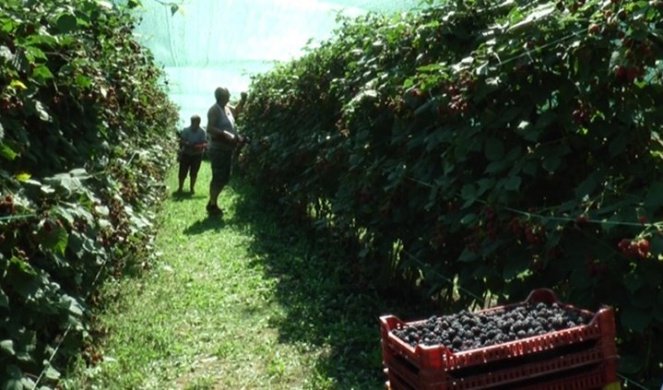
(503, 363)
(495, 375)
(591, 378)
(596, 377)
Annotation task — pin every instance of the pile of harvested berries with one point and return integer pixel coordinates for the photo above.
(464, 330)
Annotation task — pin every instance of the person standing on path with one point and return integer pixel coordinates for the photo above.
(192, 147)
(223, 139)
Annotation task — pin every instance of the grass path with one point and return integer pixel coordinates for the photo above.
(236, 303)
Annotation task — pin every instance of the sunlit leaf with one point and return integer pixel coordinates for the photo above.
(41, 111)
(42, 73)
(7, 347)
(83, 81)
(541, 12)
(6, 53)
(7, 152)
(24, 176)
(52, 374)
(34, 53)
(105, 4)
(4, 300)
(17, 84)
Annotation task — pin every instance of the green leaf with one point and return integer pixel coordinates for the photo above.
(23, 177)
(4, 299)
(541, 12)
(587, 186)
(654, 198)
(2, 132)
(33, 54)
(66, 181)
(633, 281)
(6, 53)
(67, 23)
(618, 144)
(42, 40)
(52, 374)
(657, 244)
(551, 164)
(512, 183)
(468, 219)
(529, 132)
(14, 372)
(83, 81)
(53, 236)
(42, 73)
(545, 120)
(630, 364)
(467, 256)
(7, 152)
(497, 166)
(506, 117)
(469, 194)
(530, 168)
(635, 319)
(514, 266)
(173, 9)
(72, 306)
(485, 185)
(18, 84)
(658, 313)
(7, 347)
(105, 4)
(494, 149)
(41, 111)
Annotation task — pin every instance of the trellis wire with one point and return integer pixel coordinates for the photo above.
(552, 218)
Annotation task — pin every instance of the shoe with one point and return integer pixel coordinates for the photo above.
(214, 210)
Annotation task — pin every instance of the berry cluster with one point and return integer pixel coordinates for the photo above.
(634, 249)
(532, 233)
(582, 113)
(464, 331)
(7, 206)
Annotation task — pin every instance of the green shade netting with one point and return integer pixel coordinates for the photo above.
(210, 43)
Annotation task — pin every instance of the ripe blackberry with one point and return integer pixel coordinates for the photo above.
(465, 330)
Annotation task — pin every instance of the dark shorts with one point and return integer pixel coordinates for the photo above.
(221, 163)
(190, 165)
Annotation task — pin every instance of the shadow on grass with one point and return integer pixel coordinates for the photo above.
(215, 223)
(327, 303)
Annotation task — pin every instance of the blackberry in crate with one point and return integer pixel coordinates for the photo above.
(464, 330)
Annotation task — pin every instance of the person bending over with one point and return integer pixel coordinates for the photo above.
(193, 142)
(223, 139)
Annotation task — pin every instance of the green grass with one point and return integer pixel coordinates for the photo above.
(241, 302)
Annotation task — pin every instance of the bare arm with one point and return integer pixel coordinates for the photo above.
(215, 132)
(237, 110)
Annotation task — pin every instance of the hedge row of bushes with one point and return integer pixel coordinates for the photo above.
(84, 125)
(484, 146)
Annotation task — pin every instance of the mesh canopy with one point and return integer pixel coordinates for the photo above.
(210, 43)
